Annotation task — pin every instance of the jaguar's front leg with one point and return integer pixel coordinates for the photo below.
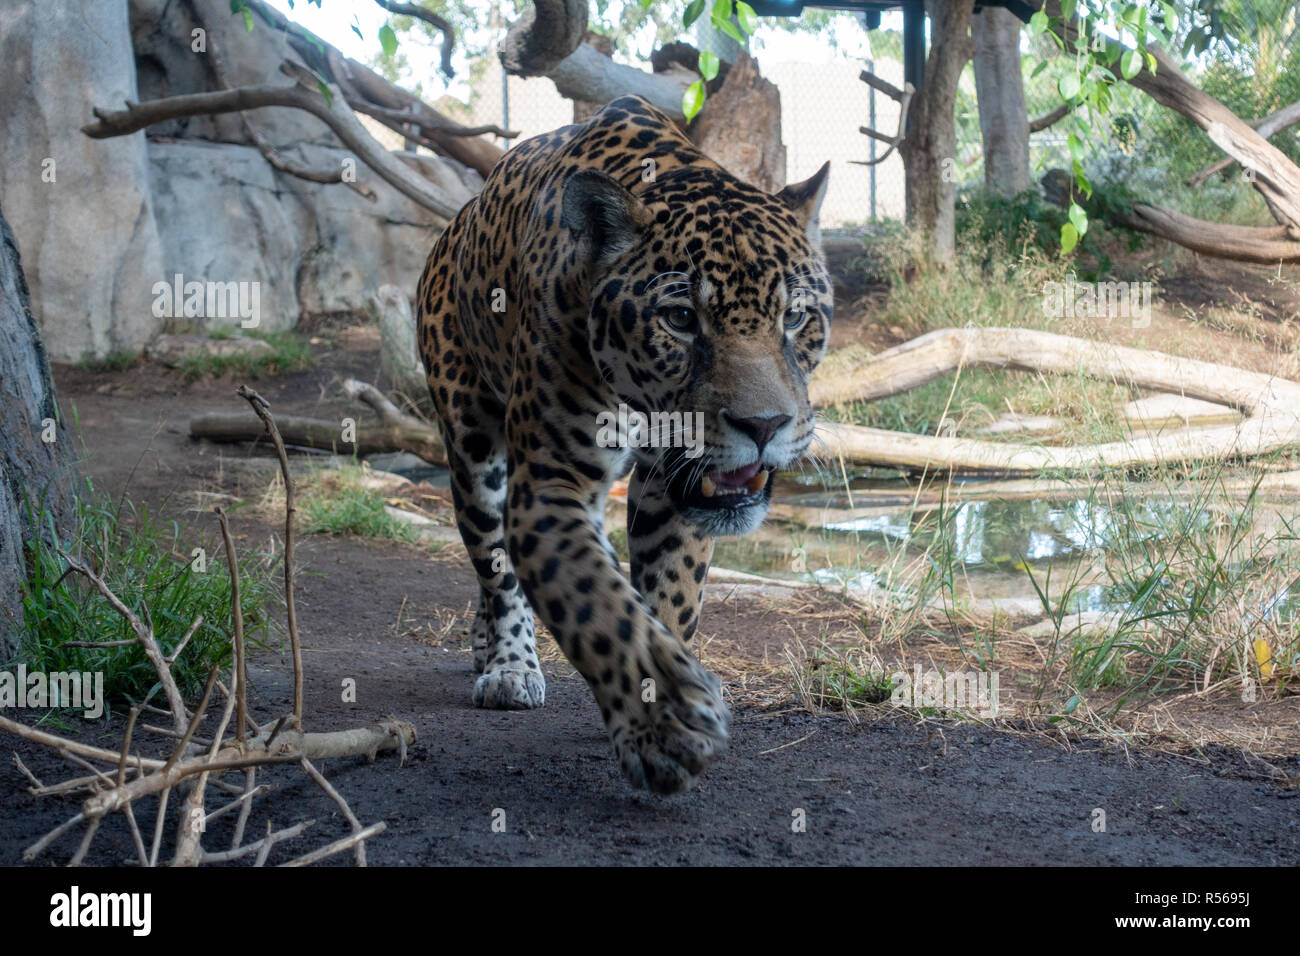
(669, 555)
(664, 711)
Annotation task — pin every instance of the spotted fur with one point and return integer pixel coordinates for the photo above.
(613, 264)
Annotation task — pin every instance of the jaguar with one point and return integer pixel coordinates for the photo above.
(612, 268)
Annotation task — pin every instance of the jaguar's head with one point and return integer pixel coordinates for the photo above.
(710, 306)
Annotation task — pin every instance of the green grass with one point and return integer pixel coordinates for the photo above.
(290, 355)
(114, 362)
(1199, 583)
(1088, 410)
(146, 563)
(836, 679)
(337, 503)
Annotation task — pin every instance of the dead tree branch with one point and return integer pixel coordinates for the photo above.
(1268, 127)
(1271, 404)
(904, 99)
(1050, 118)
(332, 110)
(195, 764)
(435, 21)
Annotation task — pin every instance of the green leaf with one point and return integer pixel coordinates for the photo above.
(692, 12)
(708, 65)
(721, 10)
(729, 28)
(1079, 218)
(1037, 23)
(1069, 238)
(325, 92)
(357, 30)
(747, 17)
(1068, 86)
(248, 20)
(1130, 65)
(388, 40)
(1171, 18)
(1067, 9)
(1042, 65)
(1071, 705)
(693, 99)
(645, 4)
(1076, 147)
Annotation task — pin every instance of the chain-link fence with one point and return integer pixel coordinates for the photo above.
(822, 106)
(1135, 145)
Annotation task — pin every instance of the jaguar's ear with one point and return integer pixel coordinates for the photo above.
(605, 218)
(805, 200)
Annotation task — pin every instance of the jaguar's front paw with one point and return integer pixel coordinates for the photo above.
(505, 688)
(678, 725)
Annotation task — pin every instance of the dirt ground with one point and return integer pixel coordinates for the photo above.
(891, 789)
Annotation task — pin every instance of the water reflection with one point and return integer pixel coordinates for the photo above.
(994, 544)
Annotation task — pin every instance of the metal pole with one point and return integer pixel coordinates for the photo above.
(505, 105)
(914, 44)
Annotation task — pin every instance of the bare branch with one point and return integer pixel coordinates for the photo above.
(338, 846)
(334, 112)
(884, 86)
(1050, 118)
(263, 411)
(1267, 127)
(435, 21)
(144, 637)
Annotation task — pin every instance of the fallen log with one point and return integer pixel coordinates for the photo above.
(1271, 404)
(395, 430)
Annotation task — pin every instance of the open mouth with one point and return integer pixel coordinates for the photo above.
(738, 488)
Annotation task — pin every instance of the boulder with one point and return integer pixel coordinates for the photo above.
(81, 209)
(312, 249)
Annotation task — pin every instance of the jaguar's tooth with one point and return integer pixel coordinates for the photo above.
(707, 487)
(758, 482)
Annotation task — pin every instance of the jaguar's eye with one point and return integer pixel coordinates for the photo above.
(795, 319)
(681, 319)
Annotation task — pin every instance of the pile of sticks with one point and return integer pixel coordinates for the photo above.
(115, 781)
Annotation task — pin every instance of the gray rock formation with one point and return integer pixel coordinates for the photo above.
(81, 208)
(122, 218)
(225, 215)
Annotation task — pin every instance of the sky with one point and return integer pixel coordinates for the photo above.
(333, 21)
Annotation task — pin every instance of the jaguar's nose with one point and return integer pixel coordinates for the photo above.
(760, 430)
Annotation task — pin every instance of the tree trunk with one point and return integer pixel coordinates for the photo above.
(740, 127)
(39, 458)
(929, 149)
(1004, 120)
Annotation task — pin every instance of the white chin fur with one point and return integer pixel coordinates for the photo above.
(725, 522)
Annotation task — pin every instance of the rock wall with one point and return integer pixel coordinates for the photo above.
(104, 240)
(81, 209)
(225, 215)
